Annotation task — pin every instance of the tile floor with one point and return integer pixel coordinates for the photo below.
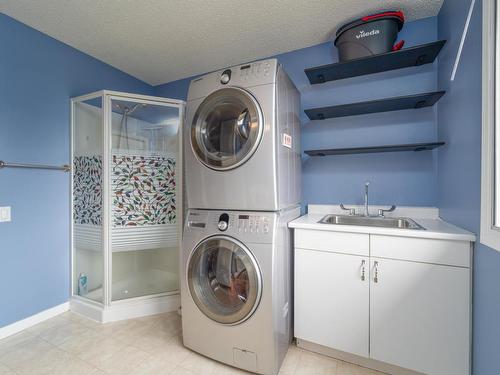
(72, 345)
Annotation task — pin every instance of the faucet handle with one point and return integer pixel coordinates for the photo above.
(352, 211)
(381, 211)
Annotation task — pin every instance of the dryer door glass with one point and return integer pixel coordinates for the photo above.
(226, 128)
(224, 280)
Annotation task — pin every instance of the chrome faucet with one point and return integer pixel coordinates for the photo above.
(381, 211)
(366, 207)
(367, 212)
(352, 211)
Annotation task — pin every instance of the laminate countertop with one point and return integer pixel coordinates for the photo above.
(428, 218)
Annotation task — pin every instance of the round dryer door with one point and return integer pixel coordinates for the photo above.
(226, 128)
(224, 280)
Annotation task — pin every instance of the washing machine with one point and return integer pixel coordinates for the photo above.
(242, 139)
(236, 286)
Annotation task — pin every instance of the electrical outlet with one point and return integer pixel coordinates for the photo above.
(4, 214)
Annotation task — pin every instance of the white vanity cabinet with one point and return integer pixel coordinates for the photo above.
(412, 309)
(332, 289)
(331, 307)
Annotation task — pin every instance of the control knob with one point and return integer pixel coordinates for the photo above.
(225, 76)
(223, 222)
(222, 225)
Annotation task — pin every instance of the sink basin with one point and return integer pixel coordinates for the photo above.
(383, 222)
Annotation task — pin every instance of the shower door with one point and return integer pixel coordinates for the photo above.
(144, 196)
(88, 276)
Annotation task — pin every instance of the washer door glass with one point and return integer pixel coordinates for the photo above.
(224, 280)
(226, 128)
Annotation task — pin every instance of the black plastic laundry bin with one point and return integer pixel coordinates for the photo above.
(370, 35)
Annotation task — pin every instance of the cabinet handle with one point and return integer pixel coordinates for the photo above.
(363, 270)
(375, 274)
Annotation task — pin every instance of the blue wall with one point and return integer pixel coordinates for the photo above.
(38, 76)
(459, 118)
(403, 178)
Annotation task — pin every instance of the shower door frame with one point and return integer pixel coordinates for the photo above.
(83, 99)
(109, 96)
(106, 121)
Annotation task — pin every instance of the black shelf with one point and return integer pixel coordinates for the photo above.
(373, 106)
(413, 56)
(375, 149)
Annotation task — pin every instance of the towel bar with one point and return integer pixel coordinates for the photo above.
(65, 168)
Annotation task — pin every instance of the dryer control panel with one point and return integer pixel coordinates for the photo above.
(247, 72)
(246, 75)
(254, 70)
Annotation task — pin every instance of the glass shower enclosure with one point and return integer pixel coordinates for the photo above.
(126, 204)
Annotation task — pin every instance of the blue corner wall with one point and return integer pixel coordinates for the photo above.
(38, 76)
(403, 178)
(459, 165)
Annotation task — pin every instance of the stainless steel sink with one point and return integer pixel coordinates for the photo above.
(383, 222)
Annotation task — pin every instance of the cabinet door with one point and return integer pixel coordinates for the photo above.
(331, 300)
(419, 316)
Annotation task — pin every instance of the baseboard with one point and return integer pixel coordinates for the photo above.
(355, 359)
(125, 309)
(86, 309)
(30, 321)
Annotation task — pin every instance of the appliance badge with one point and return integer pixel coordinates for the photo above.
(286, 140)
(364, 34)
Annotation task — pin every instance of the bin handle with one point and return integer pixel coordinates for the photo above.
(398, 14)
(398, 45)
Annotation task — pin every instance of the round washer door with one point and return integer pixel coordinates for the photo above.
(224, 280)
(227, 128)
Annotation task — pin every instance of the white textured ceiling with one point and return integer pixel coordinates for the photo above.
(160, 41)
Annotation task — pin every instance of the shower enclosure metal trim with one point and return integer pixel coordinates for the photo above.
(106, 128)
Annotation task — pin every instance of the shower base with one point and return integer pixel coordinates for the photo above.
(150, 293)
(150, 283)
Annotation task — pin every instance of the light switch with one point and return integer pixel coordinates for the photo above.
(4, 214)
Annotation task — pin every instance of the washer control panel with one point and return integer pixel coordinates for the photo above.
(238, 223)
(253, 223)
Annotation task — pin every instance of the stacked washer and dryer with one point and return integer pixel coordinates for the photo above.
(242, 177)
